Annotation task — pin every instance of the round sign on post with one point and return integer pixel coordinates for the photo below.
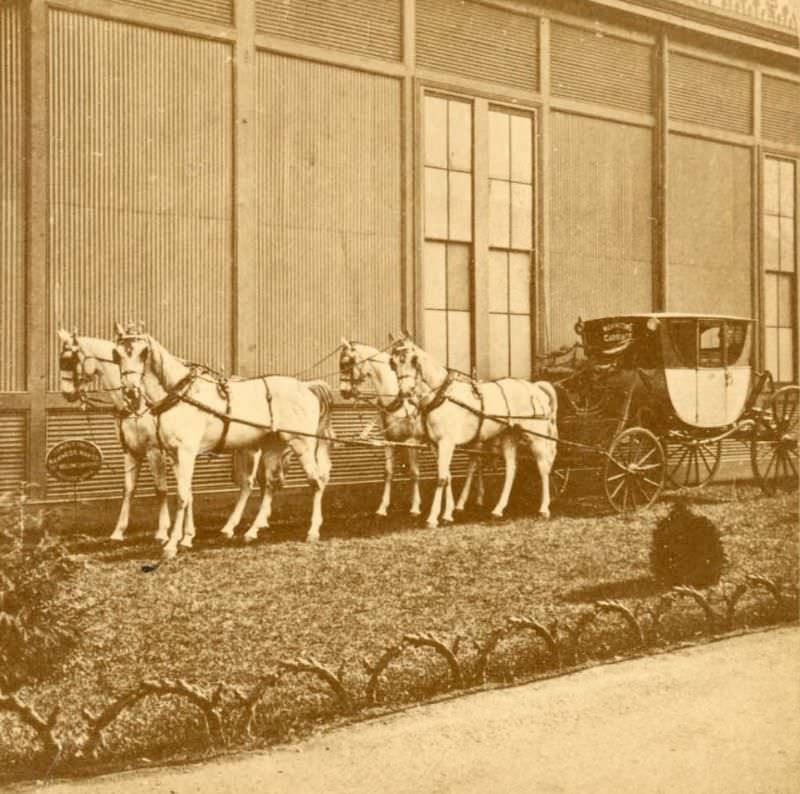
(74, 461)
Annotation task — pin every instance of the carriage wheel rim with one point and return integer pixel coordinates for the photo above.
(774, 457)
(632, 479)
(687, 472)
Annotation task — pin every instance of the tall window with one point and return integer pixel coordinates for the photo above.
(780, 267)
(510, 241)
(448, 231)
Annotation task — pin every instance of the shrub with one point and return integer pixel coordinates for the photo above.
(686, 549)
(34, 566)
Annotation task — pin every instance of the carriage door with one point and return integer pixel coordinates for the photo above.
(711, 374)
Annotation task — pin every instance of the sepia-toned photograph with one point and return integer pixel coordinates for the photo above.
(399, 396)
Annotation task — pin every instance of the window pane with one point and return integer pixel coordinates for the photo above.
(784, 301)
(460, 134)
(710, 344)
(498, 146)
(459, 341)
(435, 131)
(521, 149)
(435, 203)
(771, 350)
(436, 335)
(785, 355)
(498, 346)
(771, 250)
(499, 212)
(520, 283)
(787, 244)
(787, 188)
(521, 216)
(771, 182)
(520, 346)
(770, 299)
(498, 281)
(434, 279)
(458, 277)
(460, 206)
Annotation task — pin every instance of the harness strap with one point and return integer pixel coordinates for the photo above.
(225, 393)
(476, 390)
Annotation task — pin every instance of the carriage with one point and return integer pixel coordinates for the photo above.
(654, 397)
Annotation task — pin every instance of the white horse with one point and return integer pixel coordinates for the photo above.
(400, 421)
(84, 360)
(459, 411)
(196, 413)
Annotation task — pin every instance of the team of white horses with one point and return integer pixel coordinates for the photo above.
(170, 411)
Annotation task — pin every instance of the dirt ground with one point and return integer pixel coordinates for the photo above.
(721, 717)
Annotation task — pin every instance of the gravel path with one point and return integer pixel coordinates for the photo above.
(722, 717)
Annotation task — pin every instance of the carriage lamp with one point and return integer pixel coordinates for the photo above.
(652, 323)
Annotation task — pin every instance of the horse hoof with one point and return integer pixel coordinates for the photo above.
(117, 537)
(496, 515)
(416, 512)
(447, 522)
(161, 537)
(382, 513)
(169, 553)
(544, 515)
(312, 538)
(187, 543)
(228, 533)
(248, 538)
(432, 524)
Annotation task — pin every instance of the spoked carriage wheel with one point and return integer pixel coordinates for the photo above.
(773, 451)
(634, 470)
(693, 462)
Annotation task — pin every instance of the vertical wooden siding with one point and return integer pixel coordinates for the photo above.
(140, 185)
(599, 68)
(474, 40)
(13, 450)
(328, 211)
(12, 200)
(601, 226)
(204, 10)
(710, 214)
(360, 26)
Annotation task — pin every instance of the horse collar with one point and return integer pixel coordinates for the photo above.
(439, 397)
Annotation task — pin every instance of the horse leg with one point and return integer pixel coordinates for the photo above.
(158, 466)
(184, 469)
(480, 491)
(323, 458)
(413, 466)
(189, 529)
(270, 462)
(246, 468)
(509, 447)
(443, 457)
(132, 466)
(388, 472)
(467, 487)
(544, 452)
(308, 460)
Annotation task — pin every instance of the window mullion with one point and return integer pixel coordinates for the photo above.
(480, 236)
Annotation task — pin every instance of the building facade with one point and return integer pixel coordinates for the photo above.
(256, 178)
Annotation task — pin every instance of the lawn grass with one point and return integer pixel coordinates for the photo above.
(229, 612)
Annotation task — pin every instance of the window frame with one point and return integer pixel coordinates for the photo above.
(777, 153)
(481, 102)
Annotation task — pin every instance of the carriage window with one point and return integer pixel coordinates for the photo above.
(447, 251)
(736, 337)
(683, 338)
(511, 243)
(779, 262)
(711, 337)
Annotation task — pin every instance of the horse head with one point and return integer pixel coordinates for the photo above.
(132, 348)
(76, 369)
(404, 359)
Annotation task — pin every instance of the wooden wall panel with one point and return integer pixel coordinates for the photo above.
(710, 226)
(328, 211)
(474, 40)
(13, 450)
(363, 27)
(204, 10)
(780, 110)
(599, 68)
(12, 199)
(709, 93)
(140, 185)
(600, 227)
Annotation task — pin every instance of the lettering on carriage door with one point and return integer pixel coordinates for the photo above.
(447, 254)
(510, 243)
(779, 261)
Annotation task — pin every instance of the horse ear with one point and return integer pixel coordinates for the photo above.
(345, 343)
(392, 338)
(64, 335)
(120, 331)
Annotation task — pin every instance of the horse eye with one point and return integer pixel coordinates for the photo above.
(145, 351)
(392, 364)
(414, 361)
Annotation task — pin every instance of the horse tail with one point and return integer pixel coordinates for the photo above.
(323, 392)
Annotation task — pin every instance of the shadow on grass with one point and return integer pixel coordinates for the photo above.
(640, 587)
